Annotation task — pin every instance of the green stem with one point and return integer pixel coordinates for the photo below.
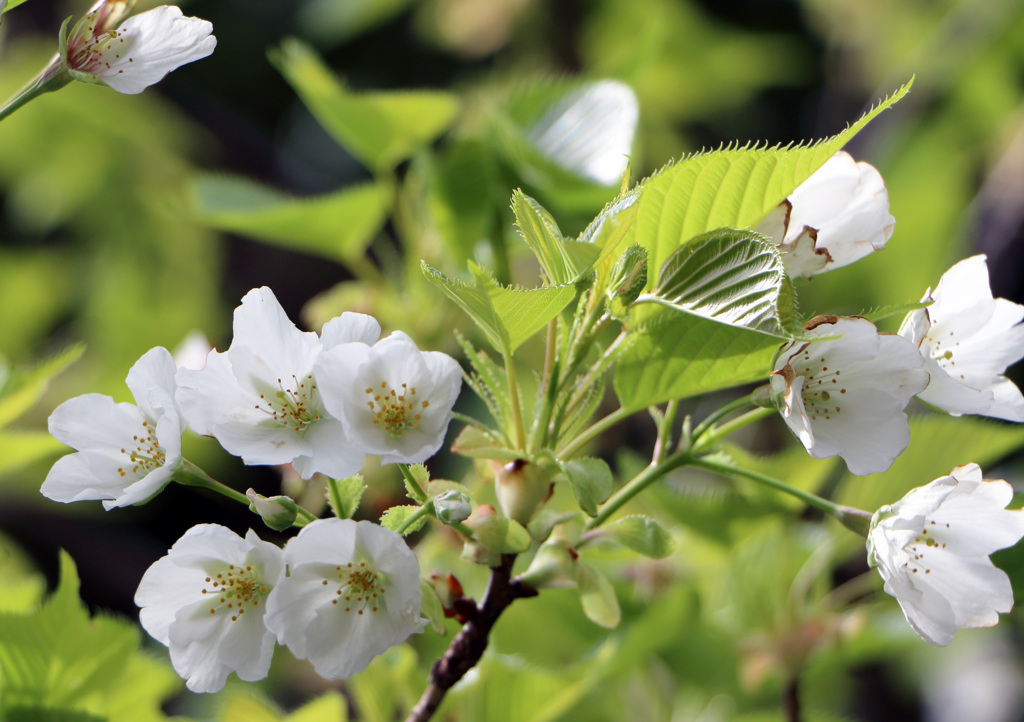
(710, 437)
(423, 511)
(638, 483)
(538, 432)
(411, 480)
(592, 431)
(721, 413)
(513, 393)
(804, 496)
(53, 77)
(191, 475)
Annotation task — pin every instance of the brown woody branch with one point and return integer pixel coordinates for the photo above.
(469, 644)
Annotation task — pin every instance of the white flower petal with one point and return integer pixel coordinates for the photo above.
(158, 41)
(206, 601)
(350, 327)
(932, 548)
(969, 338)
(352, 592)
(844, 395)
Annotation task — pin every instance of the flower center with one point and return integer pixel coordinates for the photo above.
(91, 49)
(821, 389)
(941, 349)
(395, 410)
(294, 405)
(145, 456)
(359, 588)
(234, 590)
(923, 542)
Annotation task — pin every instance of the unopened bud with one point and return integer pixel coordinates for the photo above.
(452, 507)
(278, 512)
(628, 278)
(522, 487)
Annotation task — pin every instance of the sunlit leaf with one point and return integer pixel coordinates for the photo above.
(598, 597)
(21, 389)
(732, 187)
(338, 225)
(381, 129)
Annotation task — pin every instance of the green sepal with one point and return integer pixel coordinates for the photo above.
(501, 535)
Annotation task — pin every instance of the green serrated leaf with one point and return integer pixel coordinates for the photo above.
(591, 482)
(380, 129)
(563, 261)
(729, 276)
(732, 187)
(59, 658)
(395, 517)
(345, 494)
(501, 535)
(338, 226)
(680, 356)
(21, 389)
(597, 595)
(507, 316)
(421, 476)
(431, 608)
(642, 535)
(896, 309)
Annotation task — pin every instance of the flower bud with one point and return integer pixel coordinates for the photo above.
(452, 507)
(522, 487)
(278, 512)
(628, 278)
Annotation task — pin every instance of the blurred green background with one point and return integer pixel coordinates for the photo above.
(109, 237)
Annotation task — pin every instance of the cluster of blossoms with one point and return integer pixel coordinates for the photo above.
(219, 602)
(278, 395)
(843, 388)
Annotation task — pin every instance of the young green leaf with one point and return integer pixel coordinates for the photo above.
(345, 494)
(479, 444)
(380, 129)
(507, 316)
(338, 226)
(735, 277)
(642, 535)
(732, 187)
(591, 482)
(430, 607)
(563, 260)
(421, 476)
(598, 597)
(394, 517)
(680, 355)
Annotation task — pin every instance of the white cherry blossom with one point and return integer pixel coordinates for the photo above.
(206, 601)
(395, 400)
(932, 549)
(968, 338)
(126, 453)
(260, 399)
(137, 53)
(844, 395)
(352, 591)
(837, 216)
